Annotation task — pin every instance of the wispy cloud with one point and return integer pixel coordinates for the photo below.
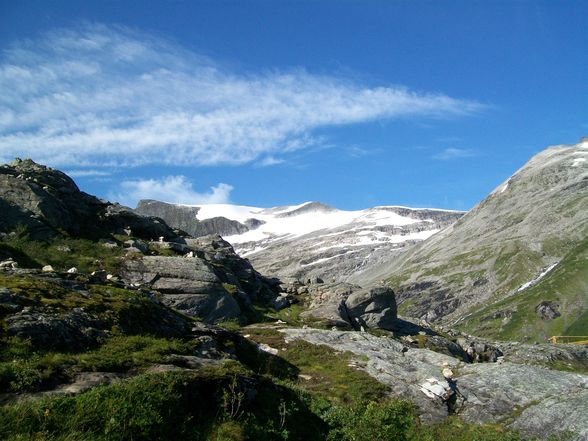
(172, 189)
(87, 173)
(100, 95)
(453, 153)
(269, 161)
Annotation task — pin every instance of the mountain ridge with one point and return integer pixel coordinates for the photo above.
(526, 225)
(310, 234)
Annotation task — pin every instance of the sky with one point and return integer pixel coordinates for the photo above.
(266, 103)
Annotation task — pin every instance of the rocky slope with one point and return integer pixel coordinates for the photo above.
(311, 239)
(48, 221)
(514, 266)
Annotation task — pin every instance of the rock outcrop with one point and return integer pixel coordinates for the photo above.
(63, 311)
(209, 281)
(184, 218)
(46, 203)
(536, 400)
(346, 306)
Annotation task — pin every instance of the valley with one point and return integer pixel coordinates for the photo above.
(415, 324)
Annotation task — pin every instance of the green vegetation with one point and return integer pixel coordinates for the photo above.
(317, 369)
(565, 285)
(22, 369)
(209, 404)
(131, 311)
(62, 253)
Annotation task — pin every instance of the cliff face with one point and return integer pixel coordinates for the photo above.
(185, 218)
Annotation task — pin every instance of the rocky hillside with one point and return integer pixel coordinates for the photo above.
(47, 203)
(311, 239)
(515, 265)
(49, 223)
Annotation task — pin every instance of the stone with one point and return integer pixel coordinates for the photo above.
(72, 270)
(48, 269)
(547, 310)
(211, 307)
(372, 308)
(9, 264)
(533, 399)
(108, 243)
(137, 245)
(280, 303)
(98, 276)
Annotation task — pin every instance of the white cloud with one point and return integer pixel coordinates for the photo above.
(172, 189)
(87, 173)
(453, 153)
(269, 161)
(100, 95)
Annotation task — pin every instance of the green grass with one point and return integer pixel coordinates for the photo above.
(130, 311)
(63, 253)
(566, 285)
(182, 406)
(331, 377)
(22, 369)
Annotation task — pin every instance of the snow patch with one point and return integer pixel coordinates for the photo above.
(578, 161)
(536, 279)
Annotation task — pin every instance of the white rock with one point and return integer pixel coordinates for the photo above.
(266, 348)
(448, 373)
(72, 270)
(48, 269)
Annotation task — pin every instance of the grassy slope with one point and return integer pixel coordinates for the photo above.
(567, 285)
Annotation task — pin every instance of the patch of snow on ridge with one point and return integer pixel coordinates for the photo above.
(277, 226)
(578, 161)
(536, 279)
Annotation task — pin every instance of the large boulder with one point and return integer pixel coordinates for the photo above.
(372, 308)
(190, 285)
(213, 307)
(172, 275)
(349, 306)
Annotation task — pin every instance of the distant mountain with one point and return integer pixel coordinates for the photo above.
(516, 265)
(310, 239)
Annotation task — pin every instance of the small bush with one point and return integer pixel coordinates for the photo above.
(387, 421)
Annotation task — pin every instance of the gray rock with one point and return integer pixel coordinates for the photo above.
(372, 308)
(212, 307)
(47, 203)
(136, 244)
(280, 302)
(74, 330)
(185, 218)
(547, 310)
(533, 399)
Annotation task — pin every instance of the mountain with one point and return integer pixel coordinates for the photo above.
(514, 266)
(311, 239)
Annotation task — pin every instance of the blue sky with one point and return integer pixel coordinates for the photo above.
(352, 103)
